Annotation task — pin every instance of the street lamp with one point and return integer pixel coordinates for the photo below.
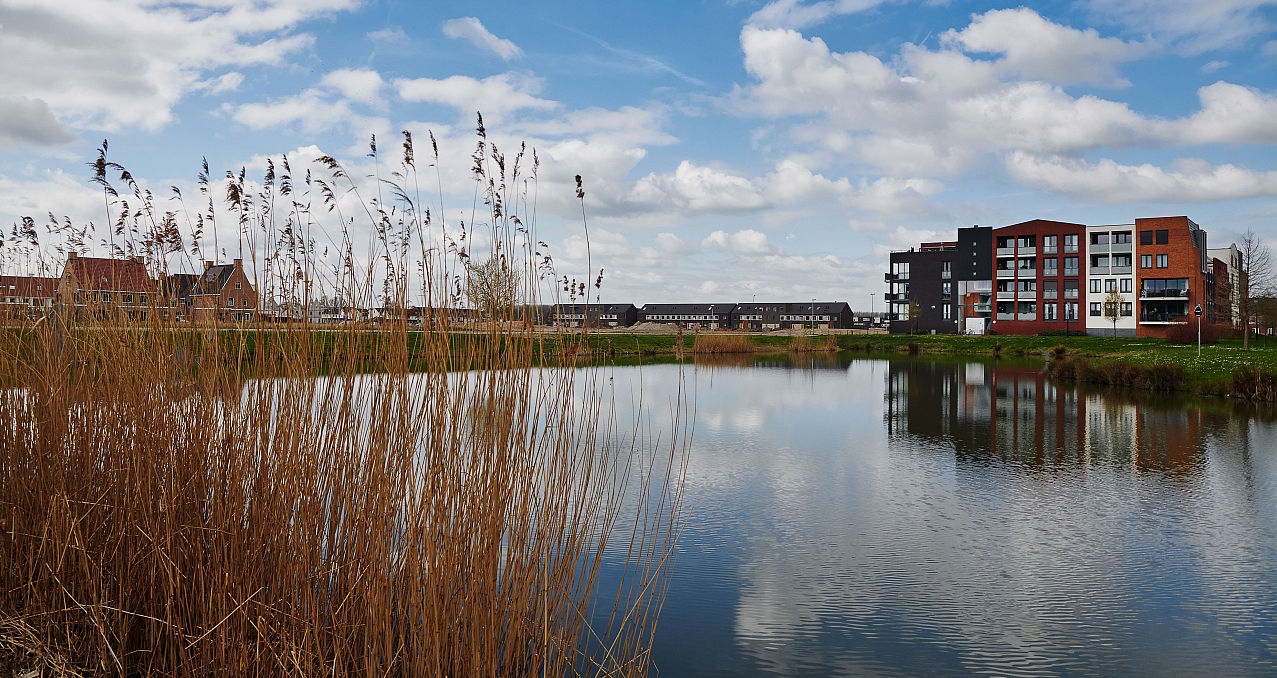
(813, 314)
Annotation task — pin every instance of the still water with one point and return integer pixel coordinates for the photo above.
(918, 518)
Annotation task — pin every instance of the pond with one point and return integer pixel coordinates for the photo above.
(867, 517)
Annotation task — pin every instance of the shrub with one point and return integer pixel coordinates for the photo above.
(1186, 333)
(722, 343)
(1254, 382)
(913, 347)
(1060, 351)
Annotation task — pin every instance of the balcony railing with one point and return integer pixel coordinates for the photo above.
(945, 275)
(1028, 251)
(1164, 294)
(1070, 249)
(1070, 294)
(982, 308)
(895, 277)
(1006, 316)
(1162, 317)
(1006, 273)
(1006, 252)
(1120, 247)
(1121, 270)
(1050, 294)
(1070, 272)
(1049, 250)
(1099, 270)
(1006, 296)
(1028, 316)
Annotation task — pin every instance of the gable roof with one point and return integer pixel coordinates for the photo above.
(27, 286)
(118, 275)
(214, 278)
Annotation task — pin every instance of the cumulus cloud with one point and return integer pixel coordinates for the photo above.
(470, 28)
(495, 95)
(701, 189)
(360, 84)
(1109, 181)
(747, 242)
(29, 122)
(106, 64)
(311, 109)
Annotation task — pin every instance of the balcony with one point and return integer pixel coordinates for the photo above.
(1098, 249)
(1006, 316)
(1119, 248)
(1006, 296)
(1050, 272)
(1099, 270)
(1162, 318)
(982, 308)
(1070, 294)
(895, 277)
(1027, 316)
(1005, 252)
(1050, 294)
(1121, 270)
(1070, 272)
(1163, 294)
(1005, 273)
(1049, 250)
(1027, 251)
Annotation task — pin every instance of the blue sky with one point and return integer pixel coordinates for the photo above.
(729, 149)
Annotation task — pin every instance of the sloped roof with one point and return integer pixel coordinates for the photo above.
(213, 280)
(687, 309)
(27, 286)
(120, 275)
(180, 285)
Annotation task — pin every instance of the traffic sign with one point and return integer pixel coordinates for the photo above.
(1198, 311)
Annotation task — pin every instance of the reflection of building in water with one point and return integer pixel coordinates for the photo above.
(1018, 412)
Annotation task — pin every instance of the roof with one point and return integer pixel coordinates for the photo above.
(687, 309)
(793, 307)
(214, 278)
(27, 286)
(180, 285)
(118, 275)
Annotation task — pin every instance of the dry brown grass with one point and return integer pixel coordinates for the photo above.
(806, 344)
(709, 344)
(286, 501)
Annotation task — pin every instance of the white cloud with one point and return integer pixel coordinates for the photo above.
(747, 242)
(699, 189)
(109, 64)
(311, 108)
(796, 14)
(494, 96)
(1036, 48)
(360, 84)
(470, 28)
(673, 245)
(1212, 66)
(393, 35)
(1108, 181)
(29, 122)
(602, 243)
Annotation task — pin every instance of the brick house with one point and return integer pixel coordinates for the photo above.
(223, 293)
(26, 297)
(594, 315)
(793, 315)
(1037, 276)
(1173, 273)
(106, 288)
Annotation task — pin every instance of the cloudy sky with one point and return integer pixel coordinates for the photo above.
(729, 148)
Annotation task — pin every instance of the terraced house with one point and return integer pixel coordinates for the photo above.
(106, 288)
(26, 296)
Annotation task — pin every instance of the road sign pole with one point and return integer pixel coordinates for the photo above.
(1197, 311)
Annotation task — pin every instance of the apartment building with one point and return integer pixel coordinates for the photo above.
(1111, 280)
(920, 289)
(1174, 273)
(1227, 284)
(973, 274)
(1037, 276)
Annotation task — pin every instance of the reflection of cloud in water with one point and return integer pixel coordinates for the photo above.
(997, 524)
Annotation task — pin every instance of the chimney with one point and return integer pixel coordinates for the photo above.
(139, 260)
(73, 255)
(208, 265)
(239, 263)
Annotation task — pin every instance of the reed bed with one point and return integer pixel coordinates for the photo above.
(281, 500)
(712, 344)
(804, 344)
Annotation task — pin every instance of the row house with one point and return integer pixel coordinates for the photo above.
(1111, 253)
(594, 315)
(690, 316)
(223, 293)
(27, 296)
(794, 315)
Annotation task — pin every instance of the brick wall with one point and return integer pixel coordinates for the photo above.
(1184, 259)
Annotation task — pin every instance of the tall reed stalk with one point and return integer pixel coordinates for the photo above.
(290, 499)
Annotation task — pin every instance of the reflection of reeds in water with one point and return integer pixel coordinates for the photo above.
(709, 344)
(162, 514)
(805, 344)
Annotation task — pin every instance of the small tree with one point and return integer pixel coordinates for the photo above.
(915, 311)
(1113, 308)
(1255, 279)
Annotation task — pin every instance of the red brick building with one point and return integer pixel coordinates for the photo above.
(1038, 273)
(1172, 273)
(26, 296)
(223, 293)
(106, 288)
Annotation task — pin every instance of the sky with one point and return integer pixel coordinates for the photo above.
(729, 150)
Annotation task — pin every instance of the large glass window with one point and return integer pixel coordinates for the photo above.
(1122, 238)
(1049, 243)
(1099, 238)
(1070, 289)
(1048, 311)
(1070, 265)
(1070, 244)
(1095, 285)
(1049, 266)
(1070, 310)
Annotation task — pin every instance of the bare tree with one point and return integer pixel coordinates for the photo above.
(492, 287)
(1256, 278)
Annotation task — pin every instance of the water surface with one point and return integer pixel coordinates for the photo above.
(919, 518)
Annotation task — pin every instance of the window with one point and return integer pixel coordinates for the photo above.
(1048, 311)
(1050, 289)
(239, 285)
(1126, 284)
(1095, 309)
(1027, 241)
(1070, 311)
(1146, 237)
(1027, 264)
(1099, 238)
(1028, 308)
(1095, 286)
(1163, 237)
(1099, 261)
(1122, 238)
(947, 290)
(1161, 261)
(948, 311)
(1127, 309)
(1146, 260)
(1070, 289)
(126, 298)
(1070, 265)
(1028, 285)
(1048, 266)
(1006, 242)
(1110, 284)
(1070, 244)
(1122, 260)
(1049, 243)
(230, 301)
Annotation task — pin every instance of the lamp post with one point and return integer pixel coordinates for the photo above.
(871, 304)
(813, 314)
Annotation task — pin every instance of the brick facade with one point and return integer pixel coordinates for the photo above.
(1172, 272)
(1029, 295)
